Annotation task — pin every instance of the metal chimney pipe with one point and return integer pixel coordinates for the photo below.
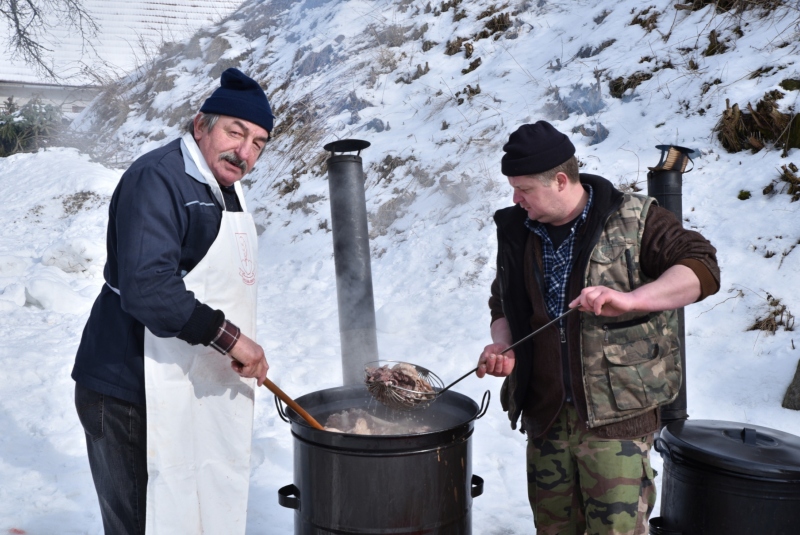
(351, 256)
(665, 183)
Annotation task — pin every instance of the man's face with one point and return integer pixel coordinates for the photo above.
(541, 202)
(231, 147)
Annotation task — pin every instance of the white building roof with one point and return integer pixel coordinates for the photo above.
(128, 32)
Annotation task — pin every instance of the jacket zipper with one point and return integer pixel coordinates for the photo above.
(629, 265)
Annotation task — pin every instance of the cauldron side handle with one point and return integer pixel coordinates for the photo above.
(477, 486)
(289, 497)
(662, 447)
(487, 397)
(281, 412)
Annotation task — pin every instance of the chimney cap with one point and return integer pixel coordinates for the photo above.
(675, 158)
(347, 145)
(691, 153)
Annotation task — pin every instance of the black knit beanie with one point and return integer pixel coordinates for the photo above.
(534, 149)
(240, 96)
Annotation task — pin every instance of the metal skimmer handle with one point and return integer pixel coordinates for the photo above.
(537, 331)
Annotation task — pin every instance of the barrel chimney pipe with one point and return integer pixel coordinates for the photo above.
(351, 254)
(665, 183)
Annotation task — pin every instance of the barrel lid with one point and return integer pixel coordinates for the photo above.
(746, 449)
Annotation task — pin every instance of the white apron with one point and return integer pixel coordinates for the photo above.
(199, 411)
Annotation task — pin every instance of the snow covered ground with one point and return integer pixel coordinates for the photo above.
(433, 238)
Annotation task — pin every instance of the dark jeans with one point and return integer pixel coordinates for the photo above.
(116, 440)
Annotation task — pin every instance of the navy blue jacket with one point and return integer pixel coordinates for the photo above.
(162, 220)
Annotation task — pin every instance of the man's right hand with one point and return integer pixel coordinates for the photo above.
(491, 360)
(494, 363)
(249, 359)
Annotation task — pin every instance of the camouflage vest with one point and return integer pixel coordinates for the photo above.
(631, 363)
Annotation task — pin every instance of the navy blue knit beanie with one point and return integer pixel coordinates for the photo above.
(240, 96)
(534, 149)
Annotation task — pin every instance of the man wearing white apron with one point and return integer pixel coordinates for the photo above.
(167, 365)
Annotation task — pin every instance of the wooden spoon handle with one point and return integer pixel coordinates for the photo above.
(289, 401)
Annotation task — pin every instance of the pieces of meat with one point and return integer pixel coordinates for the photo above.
(361, 422)
(401, 385)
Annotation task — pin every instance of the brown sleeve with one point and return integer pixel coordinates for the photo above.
(665, 243)
(495, 304)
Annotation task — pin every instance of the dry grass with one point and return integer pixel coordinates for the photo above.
(787, 182)
(78, 201)
(715, 45)
(474, 64)
(647, 19)
(734, 6)
(386, 167)
(754, 127)
(298, 137)
(389, 212)
(618, 86)
(776, 316)
(454, 47)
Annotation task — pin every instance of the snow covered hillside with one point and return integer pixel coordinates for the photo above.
(435, 87)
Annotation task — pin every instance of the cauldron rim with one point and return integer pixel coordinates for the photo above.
(466, 407)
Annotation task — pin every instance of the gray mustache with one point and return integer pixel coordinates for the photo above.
(235, 160)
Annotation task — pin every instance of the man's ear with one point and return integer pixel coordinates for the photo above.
(197, 129)
(562, 179)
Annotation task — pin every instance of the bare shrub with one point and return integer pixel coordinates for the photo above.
(386, 167)
(468, 92)
(787, 182)
(590, 51)
(410, 77)
(389, 212)
(715, 45)
(456, 191)
(601, 17)
(423, 177)
(734, 6)
(454, 47)
(646, 18)
(790, 84)
(738, 130)
(392, 35)
(776, 316)
(474, 64)
(315, 62)
(386, 61)
(618, 86)
(304, 204)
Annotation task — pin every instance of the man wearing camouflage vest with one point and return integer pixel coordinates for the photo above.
(589, 387)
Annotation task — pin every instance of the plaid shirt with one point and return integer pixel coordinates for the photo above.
(227, 336)
(558, 263)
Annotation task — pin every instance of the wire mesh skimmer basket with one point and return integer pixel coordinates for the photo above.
(401, 385)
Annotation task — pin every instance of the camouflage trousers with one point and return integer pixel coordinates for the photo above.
(579, 483)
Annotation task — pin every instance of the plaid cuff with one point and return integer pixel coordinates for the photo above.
(226, 338)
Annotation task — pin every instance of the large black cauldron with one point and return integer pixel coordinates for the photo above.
(726, 478)
(399, 484)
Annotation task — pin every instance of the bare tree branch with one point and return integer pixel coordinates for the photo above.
(29, 21)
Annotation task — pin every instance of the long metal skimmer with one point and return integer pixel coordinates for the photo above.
(401, 398)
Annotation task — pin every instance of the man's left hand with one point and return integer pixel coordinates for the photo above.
(603, 301)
